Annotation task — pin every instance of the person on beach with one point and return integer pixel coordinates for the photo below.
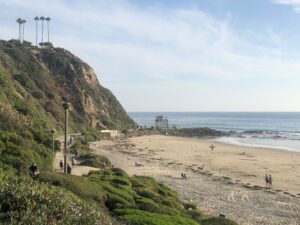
(267, 180)
(61, 164)
(270, 181)
(69, 169)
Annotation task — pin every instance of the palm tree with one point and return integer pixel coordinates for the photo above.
(36, 29)
(23, 22)
(48, 20)
(19, 21)
(42, 19)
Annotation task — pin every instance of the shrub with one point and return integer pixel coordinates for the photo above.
(137, 217)
(115, 201)
(94, 161)
(80, 186)
(24, 201)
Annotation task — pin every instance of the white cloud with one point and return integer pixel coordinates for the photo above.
(294, 3)
(287, 2)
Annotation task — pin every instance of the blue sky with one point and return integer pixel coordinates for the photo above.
(178, 55)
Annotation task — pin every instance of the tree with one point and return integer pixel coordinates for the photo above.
(19, 21)
(23, 23)
(48, 20)
(42, 19)
(36, 29)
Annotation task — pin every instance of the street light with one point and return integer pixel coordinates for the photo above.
(66, 107)
(53, 132)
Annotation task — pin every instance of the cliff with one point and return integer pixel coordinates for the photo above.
(34, 82)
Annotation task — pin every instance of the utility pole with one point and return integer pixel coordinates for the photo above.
(66, 107)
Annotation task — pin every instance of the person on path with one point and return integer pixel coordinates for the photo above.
(270, 181)
(61, 164)
(69, 169)
(267, 180)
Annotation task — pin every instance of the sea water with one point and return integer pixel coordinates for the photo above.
(280, 130)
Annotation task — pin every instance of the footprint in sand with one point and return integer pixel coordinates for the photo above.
(231, 197)
(244, 198)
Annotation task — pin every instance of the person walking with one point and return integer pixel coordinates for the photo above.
(267, 180)
(61, 164)
(270, 181)
(69, 169)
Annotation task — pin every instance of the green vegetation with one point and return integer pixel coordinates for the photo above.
(137, 217)
(80, 186)
(24, 201)
(19, 150)
(141, 200)
(33, 83)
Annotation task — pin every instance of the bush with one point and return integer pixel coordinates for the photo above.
(80, 186)
(115, 201)
(137, 217)
(23, 201)
(19, 152)
(94, 161)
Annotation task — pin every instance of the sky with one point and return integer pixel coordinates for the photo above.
(178, 55)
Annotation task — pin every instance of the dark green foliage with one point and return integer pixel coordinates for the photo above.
(137, 217)
(23, 201)
(18, 152)
(80, 186)
(141, 200)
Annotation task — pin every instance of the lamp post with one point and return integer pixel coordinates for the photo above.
(53, 132)
(66, 107)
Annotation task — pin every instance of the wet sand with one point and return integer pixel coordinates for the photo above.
(231, 181)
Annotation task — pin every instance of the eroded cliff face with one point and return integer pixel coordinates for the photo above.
(34, 82)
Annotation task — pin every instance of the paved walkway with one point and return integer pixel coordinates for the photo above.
(77, 169)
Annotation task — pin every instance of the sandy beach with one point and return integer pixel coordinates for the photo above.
(228, 180)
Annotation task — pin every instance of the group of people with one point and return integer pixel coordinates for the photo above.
(69, 168)
(269, 181)
(183, 176)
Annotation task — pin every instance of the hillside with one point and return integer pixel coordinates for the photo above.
(34, 82)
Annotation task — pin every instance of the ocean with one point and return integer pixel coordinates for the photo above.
(279, 130)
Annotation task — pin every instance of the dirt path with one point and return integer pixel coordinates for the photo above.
(77, 169)
(245, 203)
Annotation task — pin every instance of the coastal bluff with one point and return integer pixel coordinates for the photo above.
(35, 81)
